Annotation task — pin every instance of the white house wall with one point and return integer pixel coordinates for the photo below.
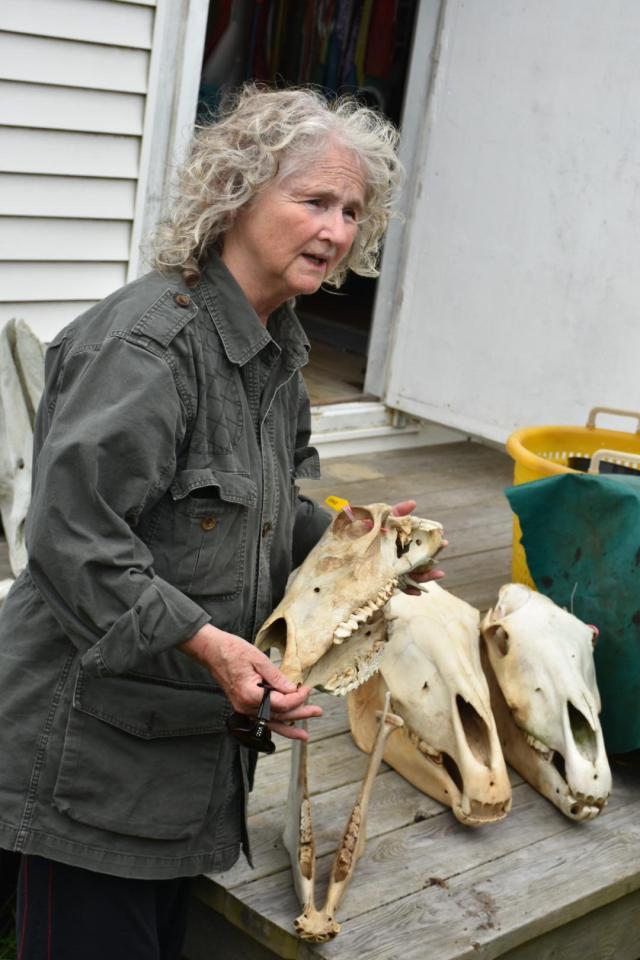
(519, 298)
(73, 89)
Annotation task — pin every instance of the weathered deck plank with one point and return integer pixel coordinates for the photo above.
(534, 887)
(440, 852)
(507, 900)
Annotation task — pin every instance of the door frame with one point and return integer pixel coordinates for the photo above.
(389, 296)
(170, 112)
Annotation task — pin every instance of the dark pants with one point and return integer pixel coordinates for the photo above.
(66, 913)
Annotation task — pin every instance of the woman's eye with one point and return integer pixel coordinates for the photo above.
(349, 214)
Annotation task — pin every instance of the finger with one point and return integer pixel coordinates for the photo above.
(403, 508)
(412, 591)
(288, 731)
(422, 576)
(301, 713)
(425, 578)
(282, 702)
(271, 675)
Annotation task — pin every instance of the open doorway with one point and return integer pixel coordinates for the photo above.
(360, 47)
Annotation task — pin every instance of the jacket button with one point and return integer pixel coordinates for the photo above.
(208, 523)
(182, 300)
(266, 528)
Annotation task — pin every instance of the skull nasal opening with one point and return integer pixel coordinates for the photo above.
(275, 635)
(583, 736)
(475, 730)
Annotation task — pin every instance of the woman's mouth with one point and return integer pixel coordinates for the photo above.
(319, 262)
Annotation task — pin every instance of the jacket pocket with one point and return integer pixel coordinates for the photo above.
(200, 544)
(140, 759)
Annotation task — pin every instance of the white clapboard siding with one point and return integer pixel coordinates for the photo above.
(45, 318)
(72, 64)
(96, 21)
(93, 94)
(68, 108)
(54, 281)
(80, 154)
(25, 238)
(25, 195)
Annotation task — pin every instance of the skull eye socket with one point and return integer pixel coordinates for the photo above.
(355, 524)
(499, 637)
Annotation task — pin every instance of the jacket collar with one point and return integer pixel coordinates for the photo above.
(238, 325)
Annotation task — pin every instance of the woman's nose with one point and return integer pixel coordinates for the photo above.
(335, 228)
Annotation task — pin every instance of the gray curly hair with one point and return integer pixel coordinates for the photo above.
(262, 135)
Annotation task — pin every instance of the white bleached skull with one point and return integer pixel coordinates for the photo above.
(449, 746)
(539, 659)
(339, 591)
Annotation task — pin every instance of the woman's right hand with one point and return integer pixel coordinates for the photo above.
(239, 667)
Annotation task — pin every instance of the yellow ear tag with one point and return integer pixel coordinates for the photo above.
(338, 504)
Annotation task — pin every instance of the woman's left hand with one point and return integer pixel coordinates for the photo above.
(420, 574)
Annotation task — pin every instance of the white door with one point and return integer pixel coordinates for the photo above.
(518, 293)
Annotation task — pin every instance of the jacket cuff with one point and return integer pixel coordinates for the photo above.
(161, 618)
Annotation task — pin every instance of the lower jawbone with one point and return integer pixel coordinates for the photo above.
(431, 771)
(539, 764)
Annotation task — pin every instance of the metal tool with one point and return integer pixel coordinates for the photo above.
(254, 732)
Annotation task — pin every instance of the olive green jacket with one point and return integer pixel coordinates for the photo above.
(171, 432)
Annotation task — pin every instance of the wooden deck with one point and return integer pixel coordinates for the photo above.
(534, 887)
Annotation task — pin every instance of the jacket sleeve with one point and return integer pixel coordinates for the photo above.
(311, 519)
(109, 451)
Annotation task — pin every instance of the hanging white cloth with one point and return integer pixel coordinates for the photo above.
(21, 386)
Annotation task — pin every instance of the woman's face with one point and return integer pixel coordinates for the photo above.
(296, 231)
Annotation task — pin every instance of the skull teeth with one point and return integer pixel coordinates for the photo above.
(423, 747)
(362, 614)
(351, 678)
(539, 747)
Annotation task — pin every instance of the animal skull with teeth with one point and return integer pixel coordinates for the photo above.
(539, 660)
(338, 593)
(449, 746)
(330, 630)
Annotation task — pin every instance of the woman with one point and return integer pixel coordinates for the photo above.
(164, 523)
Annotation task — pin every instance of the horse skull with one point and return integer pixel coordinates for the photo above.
(539, 659)
(449, 746)
(339, 591)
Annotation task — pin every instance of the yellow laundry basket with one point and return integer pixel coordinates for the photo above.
(544, 451)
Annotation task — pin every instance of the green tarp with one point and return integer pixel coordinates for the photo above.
(581, 535)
